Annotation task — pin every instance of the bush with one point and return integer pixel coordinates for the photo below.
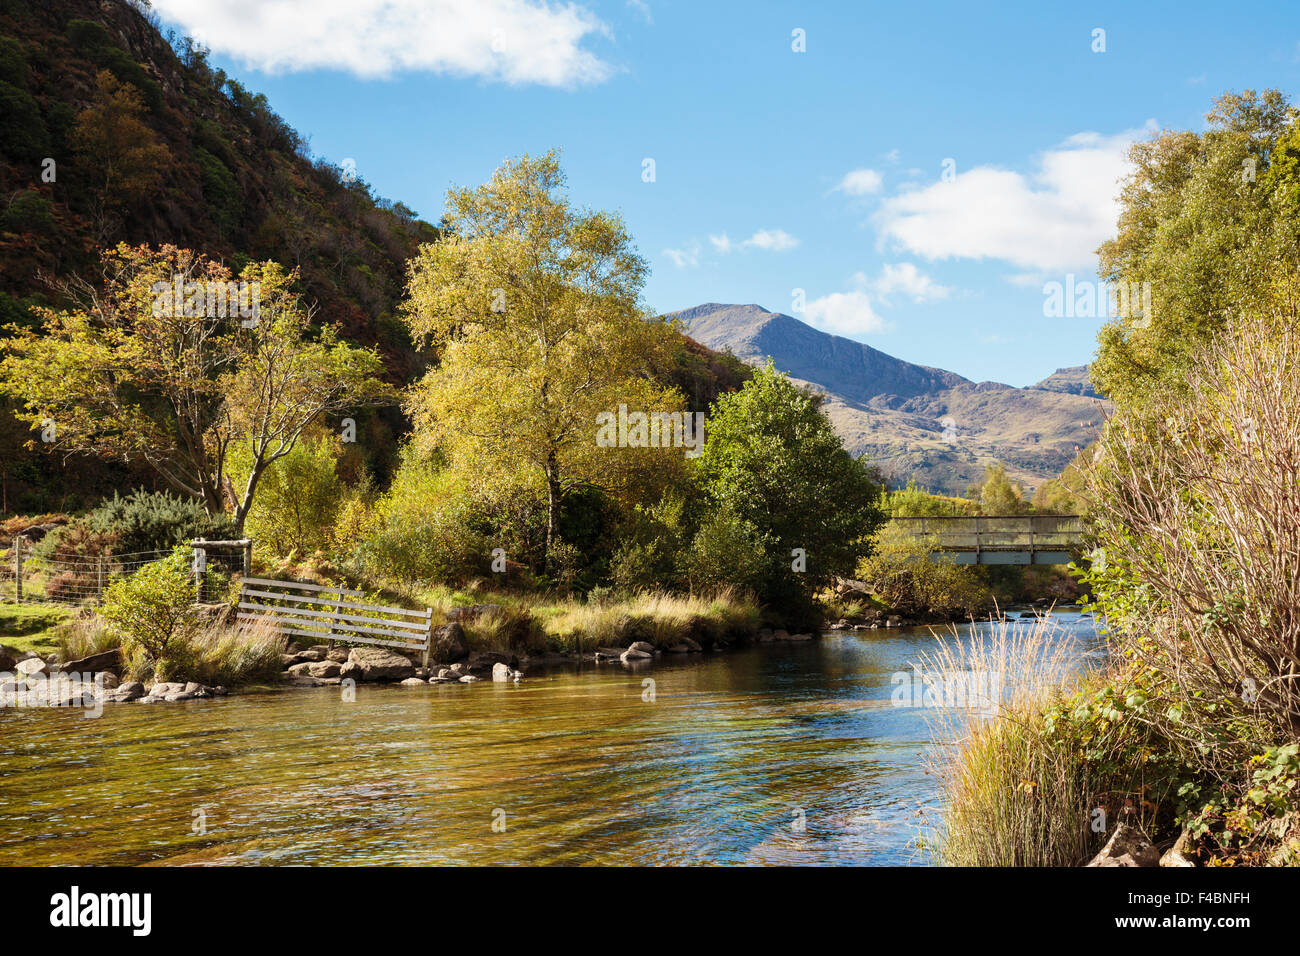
(153, 614)
(910, 579)
(728, 551)
(298, 499)
(427, 528)
(147, 521)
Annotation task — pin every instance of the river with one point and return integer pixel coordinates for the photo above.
(776, 754)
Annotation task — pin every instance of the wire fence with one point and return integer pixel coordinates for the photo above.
(26, 576)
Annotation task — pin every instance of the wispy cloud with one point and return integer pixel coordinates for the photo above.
(902, 278)
(1051, 219)
(686, 257)
(860, 182)
(643, 8)
(771, 240)
(511, 41)
(844, 313)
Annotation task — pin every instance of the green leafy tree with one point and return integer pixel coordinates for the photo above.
(180, 385)
(1204, 218)
(773, 461)
(998, 494)
(533, 306)
(299, 497)
(153, 613)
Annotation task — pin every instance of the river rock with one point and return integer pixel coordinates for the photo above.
(303, 669)
(644, 646)
(1128, 846)
(468, 679)
(632, 654)
(324, 668)
(288, 660)
(413, 681)
(1176, 855)
(313, 654)
(33, 667)
(482, 662)
(800, 637)
(376, 663)
(339, 655)
(504, 672)
(608, 653)
(447, 643)
(125, 692)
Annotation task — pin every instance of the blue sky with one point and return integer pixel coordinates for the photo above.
(777, 170)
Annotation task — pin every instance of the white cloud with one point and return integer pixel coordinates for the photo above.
(643, 8)
(844, 313)
(721, 243)
(904, 278)
(860, 182)
(1053, 219)
(513, 41)
(771, 240)
(686, 257)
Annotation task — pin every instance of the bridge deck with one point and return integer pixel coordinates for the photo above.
(1000, 539)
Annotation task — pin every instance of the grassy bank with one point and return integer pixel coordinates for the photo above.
(540, 623)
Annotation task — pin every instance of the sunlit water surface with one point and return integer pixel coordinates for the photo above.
(778, 754)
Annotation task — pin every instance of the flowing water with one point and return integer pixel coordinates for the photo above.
(777, 754)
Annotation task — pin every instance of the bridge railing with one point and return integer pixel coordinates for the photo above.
(997, 532)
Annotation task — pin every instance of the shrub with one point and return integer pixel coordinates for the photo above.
(1196, 514)
(728, 551)
(153, 614)
(910, 579)
(298, 499)
(147, 521)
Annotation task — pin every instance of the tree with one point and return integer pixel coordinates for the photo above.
(140, 374)
(773, 462)
(534, 309)
(116, 150)
(998, 495)
(1203, 219)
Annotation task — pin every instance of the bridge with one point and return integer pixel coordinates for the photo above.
(1000, 539)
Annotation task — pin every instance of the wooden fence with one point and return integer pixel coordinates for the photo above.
(329, 614)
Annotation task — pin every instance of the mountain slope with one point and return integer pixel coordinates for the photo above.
(912, 420)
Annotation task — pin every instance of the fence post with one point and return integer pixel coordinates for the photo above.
(18, 568)
(99, 574)
(428, 634)
(200, 566)
(248, 557)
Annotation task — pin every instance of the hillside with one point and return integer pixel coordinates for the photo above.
(898, 414)
(110, 133)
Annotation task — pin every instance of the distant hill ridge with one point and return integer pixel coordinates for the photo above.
(915, 421)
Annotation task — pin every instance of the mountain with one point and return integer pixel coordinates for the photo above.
(1073, 380)
(912, 420)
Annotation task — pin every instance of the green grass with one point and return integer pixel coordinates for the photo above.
(32, 627)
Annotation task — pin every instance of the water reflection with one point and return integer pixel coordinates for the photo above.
(780, 754)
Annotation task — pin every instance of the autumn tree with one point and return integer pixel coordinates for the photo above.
(534, 309)
(1204, 218)
(172, 363)
(116, 150)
